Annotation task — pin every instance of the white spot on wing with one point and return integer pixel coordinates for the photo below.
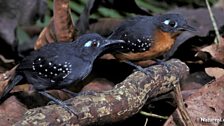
(33, 67)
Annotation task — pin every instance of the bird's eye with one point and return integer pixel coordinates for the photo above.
(92, 44)
(170, 23)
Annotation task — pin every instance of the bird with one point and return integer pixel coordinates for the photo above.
(58, 65)
(148, 37)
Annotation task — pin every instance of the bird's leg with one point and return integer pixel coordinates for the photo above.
(162, 62)
(80, 93)
(159, 61)
(73, 94)
(59, 102)
(147, 72)
(87, 93)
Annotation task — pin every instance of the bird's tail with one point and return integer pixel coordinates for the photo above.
(10, 85)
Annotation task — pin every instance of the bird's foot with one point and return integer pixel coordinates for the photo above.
(60, 103)
(87, 93)
(162, 62)
(147, 72)
(80, 93)
(73, 94)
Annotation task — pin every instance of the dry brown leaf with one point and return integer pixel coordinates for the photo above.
(107, 56)
(11, 111)
(219, 4)
(24, 87)
(61, 28)
(3, 83)
(206, 106)
(191, 86)
(4, 79)
(216, 51)
(215, 72)
(195, 80)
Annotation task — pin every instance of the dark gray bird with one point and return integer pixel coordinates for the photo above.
(58, 65)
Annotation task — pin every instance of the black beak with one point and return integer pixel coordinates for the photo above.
(107, 43)
(187, 28)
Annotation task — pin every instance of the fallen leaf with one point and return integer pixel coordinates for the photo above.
(3, 84)
(216, 51)
(6, 76)
(215, 72)
(195, 81)
(219, 4)
(11, 111)
(206, 106)
(60, 28)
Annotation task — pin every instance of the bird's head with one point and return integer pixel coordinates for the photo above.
(93, 44)
(173, 23)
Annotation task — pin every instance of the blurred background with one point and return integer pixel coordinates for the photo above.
(21, 21)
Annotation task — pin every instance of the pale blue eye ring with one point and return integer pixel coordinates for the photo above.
(88, 43)
(92, 43)
(166, 22)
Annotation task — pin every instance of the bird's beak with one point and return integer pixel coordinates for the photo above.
(187, 28)
(109, 43)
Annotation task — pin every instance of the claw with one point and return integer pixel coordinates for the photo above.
(73, 94)
(161, 62)
(87, 93)
(147, 72)
(59, 102)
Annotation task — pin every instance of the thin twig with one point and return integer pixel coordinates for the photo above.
(6, 60)
(153, 115)
(146, 121)
(219, 39)
(180, 105)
